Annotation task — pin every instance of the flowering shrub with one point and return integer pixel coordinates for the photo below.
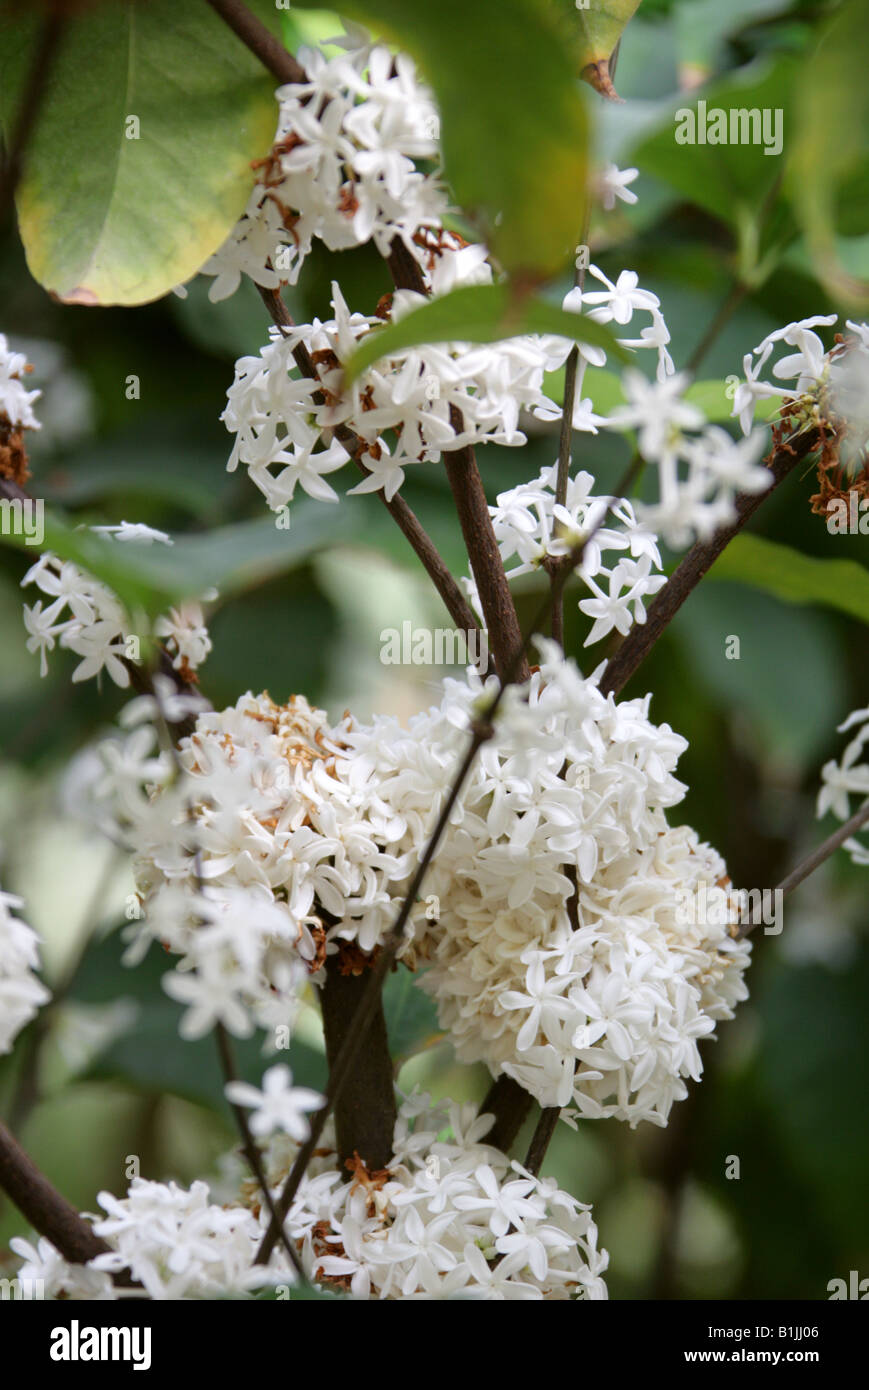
(518, 854)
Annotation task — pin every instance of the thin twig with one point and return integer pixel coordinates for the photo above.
(250, 1150)
(811, 862)
(571, 379)
(469, 495)
(260, 40)
(44, 1207)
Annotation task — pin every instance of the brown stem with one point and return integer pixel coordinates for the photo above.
(463, 475)
(510, 1103)
(365, 1120)
(43, 1206)
(499, 610)
(260, 40)
(369, 1003)
(700, 558)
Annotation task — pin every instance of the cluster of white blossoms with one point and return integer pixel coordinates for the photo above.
(84, 616)
(559, 954)
(246, 859)
(563, 955)
(175, 1241)
(846, 778)
(21, 992)
(451, 1217)
(428, 400)
(16, 402)
(700, 467)
(833, 381)
(532, 526)
(343, 168)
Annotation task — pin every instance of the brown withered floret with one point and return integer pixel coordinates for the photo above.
(370, 1181)
(348, 203)
(352, 960)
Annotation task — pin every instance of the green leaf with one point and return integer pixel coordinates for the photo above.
(702, 26)
(796, 578)
(729, 180)
(232, 558)
(513, 123)
(814, 1060)
(599, 27)
(411, 1016)
(107, 219)
(478, 314)
(151, 1056)
(829, 142)
(779, 643)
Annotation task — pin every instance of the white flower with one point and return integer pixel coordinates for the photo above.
(97, 627)
(656, 409)
(849, 777)
(16, 404)
(699, 475)
(613, 184)
(279, 1105)
(530, 526)
(21, 991)
(136, 532)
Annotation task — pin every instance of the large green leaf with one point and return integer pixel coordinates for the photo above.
(478, 314)
(732, 181)
(108, 219)
(797, 578)
(513, 123)
(829, 144)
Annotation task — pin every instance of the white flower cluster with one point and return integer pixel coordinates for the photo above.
(531, 526)
(245, 860)
(806, 368)
(603, 1006)
(175, 1241)
(833, 382)
(16, 403)
(84, 616)
(343, 168)
(433, 399)
(21, 992)
(559, 956)
(450, 1218)
(674, 435)
(847, 778)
